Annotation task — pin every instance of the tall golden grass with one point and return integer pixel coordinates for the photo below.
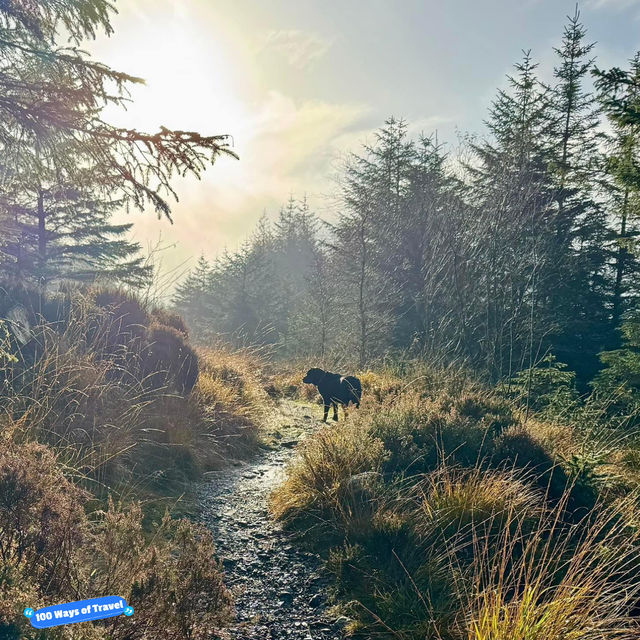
(112, 430)
(93, 452)
(447, 512)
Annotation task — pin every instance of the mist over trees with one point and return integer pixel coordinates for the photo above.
(523, 244)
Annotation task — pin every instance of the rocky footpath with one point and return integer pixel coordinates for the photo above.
(280, 590)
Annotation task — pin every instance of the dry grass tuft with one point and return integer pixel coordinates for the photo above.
(319, 483)
(557, 583)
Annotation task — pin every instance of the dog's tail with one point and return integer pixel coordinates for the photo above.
(355, 389)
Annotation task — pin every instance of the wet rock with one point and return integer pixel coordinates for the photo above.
(316, 600)
(364, 480)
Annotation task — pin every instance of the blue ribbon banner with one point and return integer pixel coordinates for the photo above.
(80, 611)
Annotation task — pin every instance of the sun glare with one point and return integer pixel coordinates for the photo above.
(188, 76)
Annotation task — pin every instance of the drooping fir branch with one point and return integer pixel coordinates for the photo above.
(620, 92)
(50, 94)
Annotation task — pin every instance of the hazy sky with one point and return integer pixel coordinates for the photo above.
(299, 82)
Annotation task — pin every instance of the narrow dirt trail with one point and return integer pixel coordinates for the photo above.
(280, 590)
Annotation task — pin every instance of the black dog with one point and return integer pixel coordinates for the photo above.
(335, 389)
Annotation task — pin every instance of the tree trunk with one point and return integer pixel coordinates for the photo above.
(361, 294)
(620, 264)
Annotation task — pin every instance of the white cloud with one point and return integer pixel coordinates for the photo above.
(618, 4)
(299, 48)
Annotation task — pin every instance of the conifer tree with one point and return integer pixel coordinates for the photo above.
(59, 230)
(64, 168)
(624, 188)
(53, 99)
(366, 237)
(575, 111)
(579, 231)
(318, 305)
(513, 196)
(192, 299)
(304, 272)
(422, 258)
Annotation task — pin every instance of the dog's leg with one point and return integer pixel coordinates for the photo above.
(326, 412)
(335, 411)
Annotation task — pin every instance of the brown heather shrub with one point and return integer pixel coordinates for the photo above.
(150, 347)
(166, 361)
(52, 552)
(41, 523)
(170, 575)
(118, 329)
(170, 319)
(380, 385)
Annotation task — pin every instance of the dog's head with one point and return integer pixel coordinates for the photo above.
(314, 376)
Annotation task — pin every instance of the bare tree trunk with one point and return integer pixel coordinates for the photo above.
(361, 296)
(620, 263)
(42, 248)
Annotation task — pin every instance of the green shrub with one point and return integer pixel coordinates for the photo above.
(548, 388)
(420, 434)
(518, 447)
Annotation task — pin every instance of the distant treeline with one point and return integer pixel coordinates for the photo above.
(520, 244)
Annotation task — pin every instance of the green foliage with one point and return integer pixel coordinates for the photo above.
(61, 233)
(619, 91)
(548, 387)
(65, 169)
(619, 380)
